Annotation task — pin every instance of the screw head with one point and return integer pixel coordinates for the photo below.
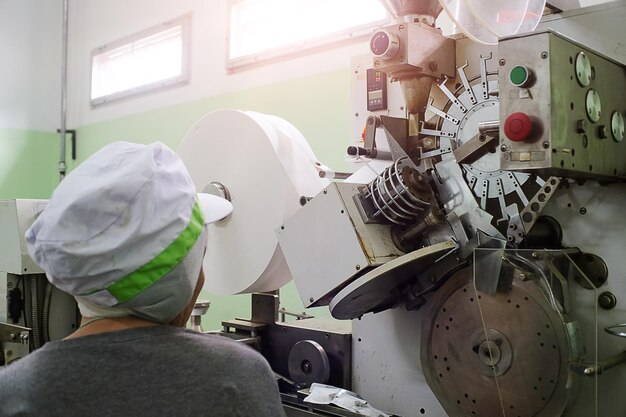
(502, 62)
(581, 126)
(358, 267)
(503, 148)
(311, 299)
(545, 145)
(544, 55)
(583, 210)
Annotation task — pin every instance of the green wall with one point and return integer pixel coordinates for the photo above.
(319, 106)
(28, 163)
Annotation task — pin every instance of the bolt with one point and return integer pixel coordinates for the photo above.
(522, 277)
(544, 55)
(583, 210)
(512, 226)
(603, 132)
(358, 267)
(9, 285)
(327, 335)
(482, 138)
(581, 126)
(545, 145)
(502, 62)
(536, 255)
(503, 148)
(311, 299)
(607, 300)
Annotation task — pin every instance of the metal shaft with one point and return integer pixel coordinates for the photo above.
(62, 165)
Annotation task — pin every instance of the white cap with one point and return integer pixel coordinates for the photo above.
(120, 222)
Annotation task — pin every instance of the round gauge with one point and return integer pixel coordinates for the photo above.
(583, 69)
(384, 44)
(593, 105)
(617, 126)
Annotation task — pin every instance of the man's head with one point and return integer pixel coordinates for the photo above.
(124, 233)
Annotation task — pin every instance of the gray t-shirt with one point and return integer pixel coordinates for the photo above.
(152, 371)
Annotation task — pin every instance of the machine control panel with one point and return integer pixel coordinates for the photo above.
(562, 107)
(376, 90)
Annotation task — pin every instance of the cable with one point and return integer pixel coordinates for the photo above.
(46, 313)
(34, 309)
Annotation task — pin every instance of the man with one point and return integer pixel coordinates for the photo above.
(125, 234)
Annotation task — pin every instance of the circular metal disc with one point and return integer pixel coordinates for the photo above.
(594, 105)
(308, 363)
(377, 287)
(481, 354)
(583, 69)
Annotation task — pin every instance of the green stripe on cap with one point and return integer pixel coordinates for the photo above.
(135, 282)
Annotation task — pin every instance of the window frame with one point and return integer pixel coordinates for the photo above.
(184, 22)
(352, 35)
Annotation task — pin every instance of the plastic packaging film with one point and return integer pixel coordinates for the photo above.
(266, 165)
(487, 20)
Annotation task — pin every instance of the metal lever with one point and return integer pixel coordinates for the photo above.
(590, 369)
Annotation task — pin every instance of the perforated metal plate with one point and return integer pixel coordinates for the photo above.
(495, 356)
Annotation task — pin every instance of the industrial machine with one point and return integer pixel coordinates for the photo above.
(476, 249)
(32, 311)
(474, 260)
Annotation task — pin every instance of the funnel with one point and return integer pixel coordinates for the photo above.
(413, 7)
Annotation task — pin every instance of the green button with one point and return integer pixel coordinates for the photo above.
(519, 76)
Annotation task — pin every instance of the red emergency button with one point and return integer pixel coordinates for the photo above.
(518, 126)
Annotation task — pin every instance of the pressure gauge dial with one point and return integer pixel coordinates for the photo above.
(384, 45)
(617, 126)
(583, 69)
(594, 106)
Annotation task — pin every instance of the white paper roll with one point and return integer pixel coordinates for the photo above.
(266, 165)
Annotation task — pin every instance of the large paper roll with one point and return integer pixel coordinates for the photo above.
(267, 166)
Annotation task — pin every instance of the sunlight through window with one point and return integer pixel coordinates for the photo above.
(147, 61)
(260, 28)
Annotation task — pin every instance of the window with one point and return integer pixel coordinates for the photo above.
(265, 29)
(150, 60)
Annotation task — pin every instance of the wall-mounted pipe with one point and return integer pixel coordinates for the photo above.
(62, 130)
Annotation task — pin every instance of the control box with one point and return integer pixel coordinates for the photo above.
(562, 108)
(376, 90)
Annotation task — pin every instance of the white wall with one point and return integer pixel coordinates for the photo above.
(96, 22)
(30, 75)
